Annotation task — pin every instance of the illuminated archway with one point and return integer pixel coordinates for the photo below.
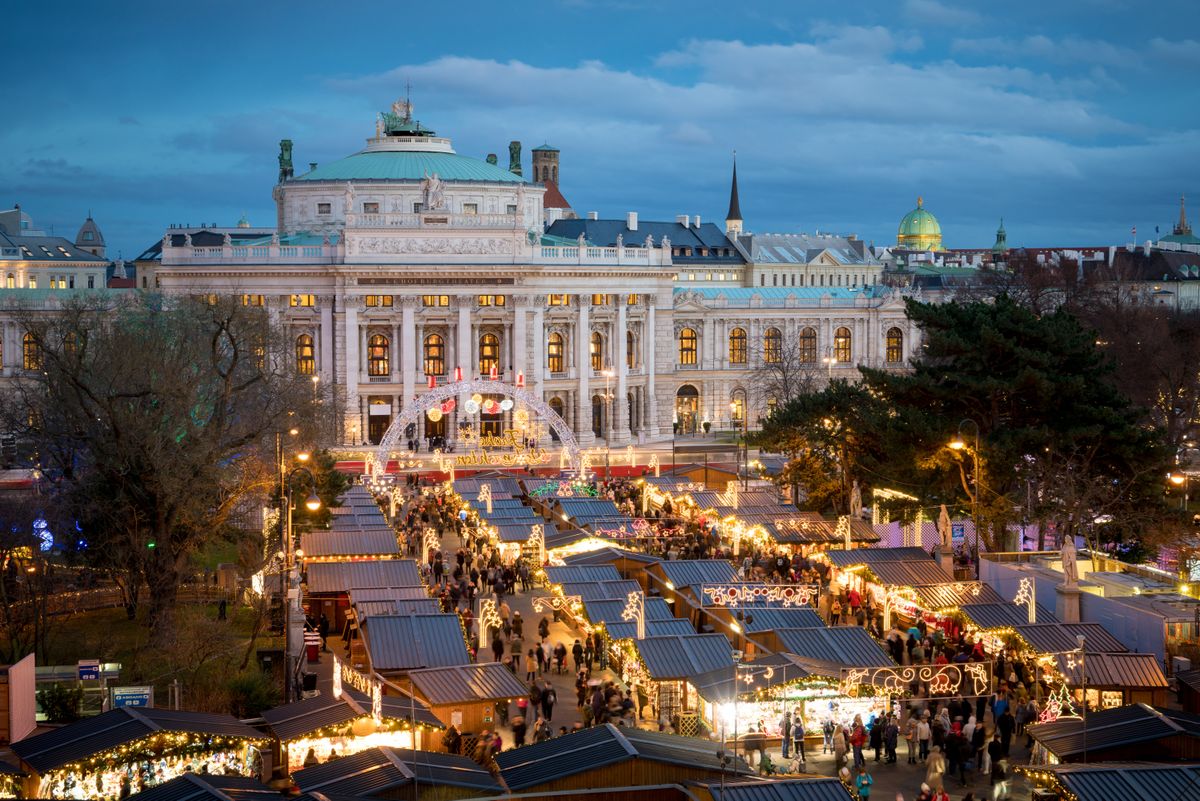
(414, 411)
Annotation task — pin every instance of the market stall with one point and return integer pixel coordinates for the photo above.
(665, 667)
(333, 727)
(466, 695)
(127, 750)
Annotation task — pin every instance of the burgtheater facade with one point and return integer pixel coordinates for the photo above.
(408, 265)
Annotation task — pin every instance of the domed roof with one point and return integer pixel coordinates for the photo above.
(919, 222)
(89, 234)
(409, 165)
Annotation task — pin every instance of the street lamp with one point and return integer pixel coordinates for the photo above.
(733, 407)
(828, 361)
(959, 444)
(291, 553)
(1182, 479)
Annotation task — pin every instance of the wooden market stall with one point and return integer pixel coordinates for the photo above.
(398, 774)
(1114, 781)
(666, 666)
(122, 751)
(466, 695)
(1135, 732)
(397, 644)
(328, 585)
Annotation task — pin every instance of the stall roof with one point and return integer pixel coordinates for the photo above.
(406, 642)
(402, 606)
(792, 617)
(850, 646)
(935, 597)
(1114, 670)
(583, 510)
(45, 752)
(1122, 781)
(571, 574)
(604, 746)
(360, 594)
(687, 572)
(684, 656)
(719, 686)
(608, 610)
(601, 590)
(290, 721)
(518, 530)
(1049, 638)
(1002, 615)
(911, 573)
(202, 786)
(371, 772)
(341, 577)
(654, 628)
(486, 681)
(779, 790)
(501, 485)
(377, 542)
(1114, 728)
(609, 555)
(867, 556)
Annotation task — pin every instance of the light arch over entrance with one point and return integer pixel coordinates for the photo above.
(413, 412)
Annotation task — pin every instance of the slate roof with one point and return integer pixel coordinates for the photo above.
(371, 772)
(407, 642)
(52, 249)
(604, 234)
(682, 657)
(1114, 728)
(719, 686)
(604, 746)
(771, 618)
(911, 573)
(339, 577)
(397, 606)
(1139, 671)
(294, 720)
(600, 590)
(801, 249)
(867, 556)
(583, 510)
(54, 749)
(779, 790)
(851, 646)
(198, 787)
(490, 681)
(936, 597)
(377, 542)
(1121, 781)
(1047, 638)
(609, 555)
(688, 572)
(1003, 615)
(571, 574)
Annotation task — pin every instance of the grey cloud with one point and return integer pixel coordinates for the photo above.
(1184, 51)
(933, 12)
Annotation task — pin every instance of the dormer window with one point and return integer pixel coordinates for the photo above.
(88, 236)
(324, 208)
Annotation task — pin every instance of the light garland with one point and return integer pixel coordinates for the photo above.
(788, 595)
(949, 679)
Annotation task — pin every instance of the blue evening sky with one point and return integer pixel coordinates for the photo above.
(1073, 120)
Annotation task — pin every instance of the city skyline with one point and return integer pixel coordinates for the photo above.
(1071, 122)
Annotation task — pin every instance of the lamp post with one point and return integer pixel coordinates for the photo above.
(745, 452)
(1182, 479)
(959, 444)
(828, 362)
(312, 503)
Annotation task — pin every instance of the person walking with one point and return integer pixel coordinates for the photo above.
(577, 654)
(935, 769)
(923, 734)
(549, 697)
(863, 782)
(858, 738)
(910, 738)
(531, 666)
(891, 734)
(839, 749)
(798, 738)
(323, 630)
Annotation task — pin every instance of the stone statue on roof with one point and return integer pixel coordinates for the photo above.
(649, 243)
(855, 501)
(514, 157)
(432, 193)
(620, 241)
(285, 159)
(666, 243)
(944, 531)
(1069, 567)
(379, 127)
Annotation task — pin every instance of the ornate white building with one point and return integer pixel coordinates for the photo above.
(407, 262)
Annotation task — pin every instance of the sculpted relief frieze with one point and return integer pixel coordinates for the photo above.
(457, 246)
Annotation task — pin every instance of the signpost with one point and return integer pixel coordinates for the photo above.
(89, 669)
(132, 696)
(958, 534)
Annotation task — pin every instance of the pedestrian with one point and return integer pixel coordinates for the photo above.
(839, 748)
(322, 629)
(785, 732)
(549, 697)
(560, 657)
(577, 654)
(910, 738)
(935, 768)
(497, 649)
(923, 734)
(531, 666)
(798, 738)
(518, 625)
(1000, 779)
(858, 738)
(827, 735)
(1006, 724)
(876, 737)
(891, 734)
(995, 753)
(863, 783)
(835, 612)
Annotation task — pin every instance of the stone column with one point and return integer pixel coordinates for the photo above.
(583, 362)
(620, 434)
(463, 303)
(651, 335)
(537, 372)
(350, 332)
(408, 341)
(707, 351)
(520, 343)
(325, 355)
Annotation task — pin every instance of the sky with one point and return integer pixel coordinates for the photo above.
(1073, 120)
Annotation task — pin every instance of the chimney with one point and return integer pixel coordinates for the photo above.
(553, 215)
(682, 219)
(593, 215)
(631, 220)
(1146, 247)
(312, 165)
(697, 220)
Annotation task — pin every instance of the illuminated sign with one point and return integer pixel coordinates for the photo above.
(968, 679)
(784, 594)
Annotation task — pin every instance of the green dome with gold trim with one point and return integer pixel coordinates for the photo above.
(919, 230)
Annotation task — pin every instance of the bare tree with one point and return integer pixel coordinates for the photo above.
(783, 369)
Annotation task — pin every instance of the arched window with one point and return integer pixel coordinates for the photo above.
(378, 351)
(894, 346)
(841, 346)
(597, 351)
(555, 347)
(306, 362)
(772, 346)
(70, 343)
(630, 350)
(31, 352)
(489, 353)
(737, 346)
(556, 406)
(808, 346)
(435, 355)
(687, 346)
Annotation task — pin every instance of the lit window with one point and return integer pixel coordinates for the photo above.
(471, 209)
(554, 352)
(33, 282)
(379, 300)
(894, 346)
(11, 281)
(303, 300)
(435, 300)
(435, 355)
(324, 208)
(808, 346)
(737, 346)
(560, 300)
(597, 351)
(772, 346)
(841, 346)
(601, 300)
(252, 300)
(687, 346)
(632, 300)
(306, 362)
(377, 355)
(489, 353)
(630, 351)
(31, 353)
(491, 300)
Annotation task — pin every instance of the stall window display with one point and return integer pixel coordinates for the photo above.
(131, 770)
(816, 704)
(343, 741)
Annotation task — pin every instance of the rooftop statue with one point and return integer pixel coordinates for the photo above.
(514, 157)
(285, 159)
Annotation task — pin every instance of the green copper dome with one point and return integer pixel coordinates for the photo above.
(409, 165)
(919, 230)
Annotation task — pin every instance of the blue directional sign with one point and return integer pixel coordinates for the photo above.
(958, 533)
(89, 670)
(132, 696)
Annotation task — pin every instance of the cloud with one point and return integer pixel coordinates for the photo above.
(1066, 50)
(1185, 52)
(128, 120)
(931, 12)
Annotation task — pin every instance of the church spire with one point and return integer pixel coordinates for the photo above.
(733, 219)
(1001, 245)
(1182, 228)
